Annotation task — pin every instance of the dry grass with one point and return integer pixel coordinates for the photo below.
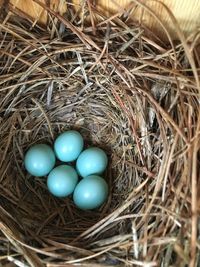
(126, 92)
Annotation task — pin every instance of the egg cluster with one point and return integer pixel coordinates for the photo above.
(88, 193)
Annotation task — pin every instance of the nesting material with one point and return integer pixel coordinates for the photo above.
(126, 92)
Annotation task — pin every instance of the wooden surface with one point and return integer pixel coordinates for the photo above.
(35, 11)
(187, 12)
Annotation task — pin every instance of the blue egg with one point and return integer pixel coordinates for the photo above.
(62, 181)
(68, 146)
(91, 161)
(39, 160)
(90, 193)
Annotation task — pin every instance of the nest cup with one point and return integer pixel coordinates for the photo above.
(131, 95)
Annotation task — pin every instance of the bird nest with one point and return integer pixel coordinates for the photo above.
(126, 92)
